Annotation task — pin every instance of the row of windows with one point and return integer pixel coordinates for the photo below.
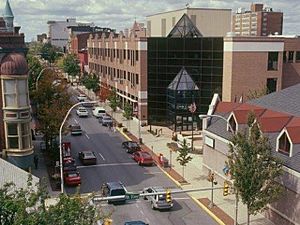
(115, 74)
(114, 54)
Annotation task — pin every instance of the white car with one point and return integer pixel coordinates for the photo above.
(82, 112)
(81, 98)
(99, 111)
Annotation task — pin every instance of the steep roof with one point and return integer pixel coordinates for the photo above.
(7, 11)
(183, 82)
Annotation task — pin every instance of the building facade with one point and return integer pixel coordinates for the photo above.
(258, 21)
(15, 133)
(121, 63)
(253, 63)
(278, 116)
(210, 22)
(58, 33)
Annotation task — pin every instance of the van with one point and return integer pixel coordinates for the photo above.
(99, 111)
(114, 189)
(157, 201)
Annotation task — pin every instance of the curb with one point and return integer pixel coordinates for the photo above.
(210, 213)
(168, 175)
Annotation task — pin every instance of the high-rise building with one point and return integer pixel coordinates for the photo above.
(210, 22)
(258, 21)
(15, 133)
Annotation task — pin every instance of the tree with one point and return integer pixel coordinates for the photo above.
(50, 52)
(253, 94)
(105, 92)
(127, 111)
(183, 158)
(35, 68)
(91, 82)
(27, 206)
(254, 169)
(70, 65)
(114, 101)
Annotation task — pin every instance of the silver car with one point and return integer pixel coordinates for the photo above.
(158, 201)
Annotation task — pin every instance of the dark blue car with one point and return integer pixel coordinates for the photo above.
(135, 223)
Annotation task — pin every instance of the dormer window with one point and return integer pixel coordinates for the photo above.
(232, 123)
(284, 145)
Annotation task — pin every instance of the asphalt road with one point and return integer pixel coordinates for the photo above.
(114, 164)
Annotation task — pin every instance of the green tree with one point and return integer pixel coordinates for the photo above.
(50, 52)
(35, 68)
(183, 158)
(114, 101)
(91, 82)
(127, 111)
(254, 169)
(253, 94)
(27, 206)
(70, 65)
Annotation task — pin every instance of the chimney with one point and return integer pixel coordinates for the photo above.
(16, 30)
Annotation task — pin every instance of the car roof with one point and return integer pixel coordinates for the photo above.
(115, 184)
(135, 223)
(98, 107)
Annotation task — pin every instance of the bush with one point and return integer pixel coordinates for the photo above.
(119, 125)
(124, 129)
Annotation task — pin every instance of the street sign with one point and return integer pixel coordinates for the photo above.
(132, 196)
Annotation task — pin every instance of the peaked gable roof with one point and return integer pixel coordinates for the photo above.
(185, 28)
(225, 107)
(183, 82)
(7, 11)
(241, 113)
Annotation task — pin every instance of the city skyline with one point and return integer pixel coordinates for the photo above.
(33, 15)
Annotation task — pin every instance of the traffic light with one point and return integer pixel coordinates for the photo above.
(226, 188)
(168, 196)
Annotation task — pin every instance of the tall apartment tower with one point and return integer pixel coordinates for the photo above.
(259, 21)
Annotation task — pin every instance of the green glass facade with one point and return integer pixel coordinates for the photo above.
(203, 60)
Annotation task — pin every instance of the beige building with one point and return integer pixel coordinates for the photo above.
(120, 61)
(259, 21)
(210, 22)
(253, 63)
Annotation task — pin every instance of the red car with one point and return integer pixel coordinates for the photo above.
(72, 178)
(143, 158)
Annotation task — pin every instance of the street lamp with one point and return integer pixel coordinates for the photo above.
(60, 143)
(231, 131)
(38, 77)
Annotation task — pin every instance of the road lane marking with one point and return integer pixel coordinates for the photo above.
(184, 198)
(108, 164)
(87, 136)
(75, 120)
(101, 156)
(142, 212)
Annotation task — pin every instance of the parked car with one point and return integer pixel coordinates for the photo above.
(82, 112)
(158, 201)
(107, 121)
(81, 98)
(72, 178)
(100, 118)
(135, 223)
(143, 158)
(131, 146)
(88, 104)
(69, 166)
(114, 189)
(99, 111)
(87, 157)
(76, 129)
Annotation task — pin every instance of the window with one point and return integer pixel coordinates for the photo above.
(291, 57)
(12, 135)
(136, 78)
(136, 55)
(124, 53)
(297, 56)
(273, 61)
(16, 93)
(232, 125)
(271, 85)
(284, 144)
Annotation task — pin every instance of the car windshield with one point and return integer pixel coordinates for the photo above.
(72, 175)
(117, 192)
(133, 144)
(101, 111)
(82, 110)
(89, 155)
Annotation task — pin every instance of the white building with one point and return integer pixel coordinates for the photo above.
(58, 33)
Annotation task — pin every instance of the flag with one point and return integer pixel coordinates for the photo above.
(193, 107)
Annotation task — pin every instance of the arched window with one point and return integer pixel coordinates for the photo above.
(284, 145)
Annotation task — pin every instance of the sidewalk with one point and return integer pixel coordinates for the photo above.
(194, 176)
(224, 210)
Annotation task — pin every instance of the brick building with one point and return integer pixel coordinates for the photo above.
(120, 61)
(15, 133)
(258, 21)
(252, 63)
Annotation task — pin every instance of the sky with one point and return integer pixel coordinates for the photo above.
(32, 15)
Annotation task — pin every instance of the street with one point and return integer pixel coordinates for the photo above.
(114, 164)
